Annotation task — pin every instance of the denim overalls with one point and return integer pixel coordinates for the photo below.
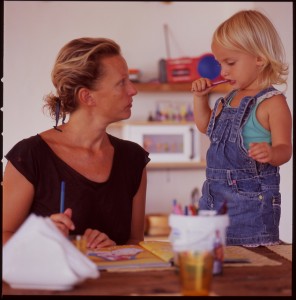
(250, 188)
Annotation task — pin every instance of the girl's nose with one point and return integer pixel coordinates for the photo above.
(224, 72)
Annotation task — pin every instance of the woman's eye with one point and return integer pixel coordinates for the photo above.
(122, 82)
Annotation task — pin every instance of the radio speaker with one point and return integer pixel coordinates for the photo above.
(186, 69)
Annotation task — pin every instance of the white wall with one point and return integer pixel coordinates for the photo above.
(34, 31)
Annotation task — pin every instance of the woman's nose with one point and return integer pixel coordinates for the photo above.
(132, 90)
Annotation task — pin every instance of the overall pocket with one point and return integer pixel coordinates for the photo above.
(248, 187)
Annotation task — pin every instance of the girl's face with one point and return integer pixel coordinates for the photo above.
(240, 68)
(115, 90)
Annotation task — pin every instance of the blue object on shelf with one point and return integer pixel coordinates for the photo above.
(209, 67)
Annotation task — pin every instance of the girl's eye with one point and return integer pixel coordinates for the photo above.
(230, 63)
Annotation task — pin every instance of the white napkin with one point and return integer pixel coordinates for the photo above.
(39, 256)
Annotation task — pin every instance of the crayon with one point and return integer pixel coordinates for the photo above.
(62, 197)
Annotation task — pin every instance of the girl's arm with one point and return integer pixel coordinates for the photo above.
(201, 108)
(275, 116)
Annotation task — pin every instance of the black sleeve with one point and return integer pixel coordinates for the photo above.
(23, 158)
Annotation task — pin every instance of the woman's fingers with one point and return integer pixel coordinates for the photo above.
(63, 221)
(97, 239)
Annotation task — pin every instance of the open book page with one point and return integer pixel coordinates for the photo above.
(161, 249)
(125, 256)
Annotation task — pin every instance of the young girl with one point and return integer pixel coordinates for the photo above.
(249, 129)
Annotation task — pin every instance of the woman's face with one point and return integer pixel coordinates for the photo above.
(114, 95)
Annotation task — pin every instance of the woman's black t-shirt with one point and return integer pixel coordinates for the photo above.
(105, 206)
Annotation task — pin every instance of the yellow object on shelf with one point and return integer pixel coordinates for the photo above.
(157, 225)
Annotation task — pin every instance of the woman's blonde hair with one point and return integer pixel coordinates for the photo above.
(252, 32)
(78, 64)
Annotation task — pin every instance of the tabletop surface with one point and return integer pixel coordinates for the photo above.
(273, 280)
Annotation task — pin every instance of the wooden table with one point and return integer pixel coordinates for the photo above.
(235, 281)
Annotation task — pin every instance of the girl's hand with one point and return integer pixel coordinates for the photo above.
(261, 152)
(63, 221)
(97, 239)
(201, 86)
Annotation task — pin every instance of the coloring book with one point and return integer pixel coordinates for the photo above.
(161, 249)
(125, 256)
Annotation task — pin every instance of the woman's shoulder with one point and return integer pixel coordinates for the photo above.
(27, 145)
(31, 141)
(118, 142)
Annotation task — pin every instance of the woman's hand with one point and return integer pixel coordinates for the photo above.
(63, 221)
(97, 239)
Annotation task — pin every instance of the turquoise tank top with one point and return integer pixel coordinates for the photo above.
(253, 131)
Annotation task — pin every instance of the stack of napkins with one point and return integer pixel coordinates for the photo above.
(39, 256)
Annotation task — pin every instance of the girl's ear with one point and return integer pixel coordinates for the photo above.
(260, 61)
(85, 97)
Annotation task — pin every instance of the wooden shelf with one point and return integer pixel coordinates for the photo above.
(185, 165)
(176, 87)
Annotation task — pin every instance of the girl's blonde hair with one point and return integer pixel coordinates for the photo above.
(252, 32)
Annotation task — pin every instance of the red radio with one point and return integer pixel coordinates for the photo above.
(186, 69)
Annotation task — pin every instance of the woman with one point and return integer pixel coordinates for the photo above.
(105, 177)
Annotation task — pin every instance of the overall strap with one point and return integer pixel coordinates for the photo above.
(243, 112)
(213, 116)
(244, 109)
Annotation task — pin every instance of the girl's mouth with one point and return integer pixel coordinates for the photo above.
(220, 82)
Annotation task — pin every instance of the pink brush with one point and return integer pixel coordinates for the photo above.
(216, 83)
(220, 82)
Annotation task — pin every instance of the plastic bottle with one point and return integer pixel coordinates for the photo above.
(218, 254)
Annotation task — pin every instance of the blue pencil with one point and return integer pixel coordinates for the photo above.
(62, 198)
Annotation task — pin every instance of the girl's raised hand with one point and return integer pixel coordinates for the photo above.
(201, 86)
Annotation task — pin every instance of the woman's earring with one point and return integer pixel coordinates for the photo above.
(57, 115)
(64, 118)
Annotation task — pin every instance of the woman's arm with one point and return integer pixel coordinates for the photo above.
(18, 195)
(97, 239)
(138, 214)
